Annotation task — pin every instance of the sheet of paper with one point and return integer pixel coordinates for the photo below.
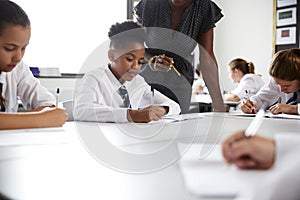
(183, 117)
(283, 116)
(267, 114)
(211, 177)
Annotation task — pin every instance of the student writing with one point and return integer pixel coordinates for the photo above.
(284, 85)
(117, 93)
(16, 80)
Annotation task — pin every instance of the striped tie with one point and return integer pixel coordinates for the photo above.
(125, 97)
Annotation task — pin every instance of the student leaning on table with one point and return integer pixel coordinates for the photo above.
(281, 93)
(99, 97)
(242, 72)
(16, 80)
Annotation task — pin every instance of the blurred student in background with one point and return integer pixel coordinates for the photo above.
(199, 86)
(242, 73)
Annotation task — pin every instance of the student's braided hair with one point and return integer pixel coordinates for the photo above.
(122, 33)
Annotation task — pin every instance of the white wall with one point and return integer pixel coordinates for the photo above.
(245, 31)
(65, 32)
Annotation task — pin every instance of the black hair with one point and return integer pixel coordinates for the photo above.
(12, 14)
(128, 31)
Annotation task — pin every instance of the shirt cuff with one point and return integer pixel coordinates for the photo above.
(298, 105)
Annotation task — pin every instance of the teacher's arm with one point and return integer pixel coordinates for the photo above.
(209, 68)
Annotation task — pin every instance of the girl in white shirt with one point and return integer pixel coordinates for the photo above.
(98, 97)
(242, 72)
(281, 94)
(17, 81)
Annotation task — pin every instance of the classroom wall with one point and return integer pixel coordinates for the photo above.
(246, 31)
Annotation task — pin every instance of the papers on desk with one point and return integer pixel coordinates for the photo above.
(283, 116)
(182, 117)
(211, 177)
(268, 115)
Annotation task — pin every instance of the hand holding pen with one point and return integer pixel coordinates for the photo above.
(247, 105)
(162, 63)
(249, 153)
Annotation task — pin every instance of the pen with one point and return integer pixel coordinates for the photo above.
(248, 97)
(57, 94)
(172, 65)
(152, 95)
(255, 124)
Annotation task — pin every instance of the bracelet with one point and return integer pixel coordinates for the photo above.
(152, 60)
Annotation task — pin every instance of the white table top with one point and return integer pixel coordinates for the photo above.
(90, 160)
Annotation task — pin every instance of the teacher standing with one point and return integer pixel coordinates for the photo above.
(174, 28)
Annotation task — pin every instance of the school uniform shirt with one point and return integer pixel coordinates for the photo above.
(200, 82)
(21, 84)
(269, 95)
(98, 99)
(250, 82)
(283, 177)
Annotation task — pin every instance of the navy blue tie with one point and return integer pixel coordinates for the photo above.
(125, 97)
(294, 99)
(2, 100)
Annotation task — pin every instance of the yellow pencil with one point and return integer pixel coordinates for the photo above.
(177, 72)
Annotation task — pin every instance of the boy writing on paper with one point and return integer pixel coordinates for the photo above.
(117, 93)
(281, 93)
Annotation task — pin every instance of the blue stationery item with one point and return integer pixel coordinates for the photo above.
(125, 97)
(35, 71)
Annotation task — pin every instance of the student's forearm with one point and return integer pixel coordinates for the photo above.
(19, 121)
(231, 97)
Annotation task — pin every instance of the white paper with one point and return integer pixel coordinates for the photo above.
(212, 177)
(174, 118)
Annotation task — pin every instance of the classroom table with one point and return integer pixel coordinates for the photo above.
(71, 162)
(203, 103)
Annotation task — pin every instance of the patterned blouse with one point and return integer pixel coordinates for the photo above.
(198, 17)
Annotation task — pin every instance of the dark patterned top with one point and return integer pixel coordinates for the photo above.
(198, 17)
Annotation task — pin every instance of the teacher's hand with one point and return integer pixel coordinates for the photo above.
(160, 63)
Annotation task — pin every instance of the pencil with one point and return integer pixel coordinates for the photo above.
(172, 65)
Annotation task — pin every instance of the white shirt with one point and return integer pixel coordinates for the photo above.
(97, 97)
(200, 82)
(284, 177)
(269, 94)
(21, 84)
(250, 82)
